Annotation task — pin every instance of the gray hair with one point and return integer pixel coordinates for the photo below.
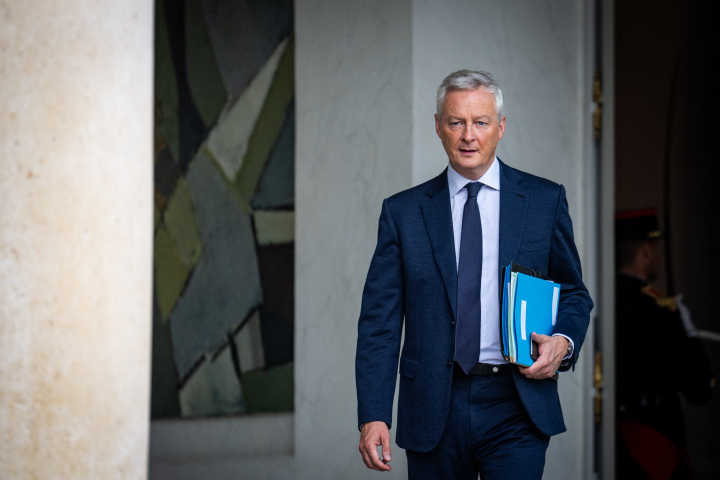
(470, 80)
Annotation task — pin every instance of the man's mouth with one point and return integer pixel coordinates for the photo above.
(468, 150)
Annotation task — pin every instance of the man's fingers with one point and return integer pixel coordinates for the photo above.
(373, 435)
(377, 464)
(370, 456)
(538, 370)
(538, 365)
(385, 437)
(540, 338)
(366, 459)
(545, 366)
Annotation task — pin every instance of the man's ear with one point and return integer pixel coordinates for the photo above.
(646, 252)
(437, 125)
(501, 127)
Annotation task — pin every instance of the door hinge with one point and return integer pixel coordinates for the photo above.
(597, 98)
(597, 383)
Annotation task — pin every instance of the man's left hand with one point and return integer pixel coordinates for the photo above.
(552, 350)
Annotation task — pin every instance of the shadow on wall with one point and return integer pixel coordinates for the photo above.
(224, 208)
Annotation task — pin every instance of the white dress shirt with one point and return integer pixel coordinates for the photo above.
(489, 204)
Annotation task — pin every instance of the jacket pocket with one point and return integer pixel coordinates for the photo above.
(532, 246)
(408, 367)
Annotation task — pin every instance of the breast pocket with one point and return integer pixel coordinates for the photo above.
(408, 367)
(534, 243)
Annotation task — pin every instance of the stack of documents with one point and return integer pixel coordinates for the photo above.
(528, 303)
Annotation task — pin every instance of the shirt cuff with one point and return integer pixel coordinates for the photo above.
(572, 346)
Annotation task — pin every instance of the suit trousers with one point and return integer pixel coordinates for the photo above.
(488, 432)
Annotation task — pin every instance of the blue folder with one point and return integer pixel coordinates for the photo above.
(529, 304)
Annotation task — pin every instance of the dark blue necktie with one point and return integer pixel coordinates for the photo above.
(467, 331)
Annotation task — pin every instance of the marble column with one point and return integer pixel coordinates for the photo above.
(76, 123)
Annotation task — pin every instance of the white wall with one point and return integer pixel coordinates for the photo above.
(353, 149)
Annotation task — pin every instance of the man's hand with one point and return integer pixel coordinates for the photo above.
(373, 434)
(552, 350)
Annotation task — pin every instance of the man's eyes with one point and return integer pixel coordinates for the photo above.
(458, 123)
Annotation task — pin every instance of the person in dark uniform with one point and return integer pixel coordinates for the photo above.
(651, 326)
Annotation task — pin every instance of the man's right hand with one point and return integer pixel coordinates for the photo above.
(373, 434)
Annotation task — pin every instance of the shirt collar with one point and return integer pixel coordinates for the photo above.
(457, 182)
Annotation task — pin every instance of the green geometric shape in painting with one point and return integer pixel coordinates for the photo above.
(276, 188)
(203, 74)
(180, 223)
(164, 399)
(170, 272)
(267, 128)
(212, 389)
(274, 227)
(166, 93)
(269, 390)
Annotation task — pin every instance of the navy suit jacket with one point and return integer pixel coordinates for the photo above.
(413, 278)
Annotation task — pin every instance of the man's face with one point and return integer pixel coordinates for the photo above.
(470, 131)
(653, 265)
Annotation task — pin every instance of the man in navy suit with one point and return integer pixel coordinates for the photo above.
(463, 410)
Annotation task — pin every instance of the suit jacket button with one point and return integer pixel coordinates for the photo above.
(449, 364)
(453, 323)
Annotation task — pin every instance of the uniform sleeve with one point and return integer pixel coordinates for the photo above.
(697, 378)
(380, 326)
(573, 315)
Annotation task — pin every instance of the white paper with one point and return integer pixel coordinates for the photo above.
(556, 293)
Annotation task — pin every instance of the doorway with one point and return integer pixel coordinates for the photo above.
(666, 154)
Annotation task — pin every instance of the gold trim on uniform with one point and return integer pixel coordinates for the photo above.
(662, 301)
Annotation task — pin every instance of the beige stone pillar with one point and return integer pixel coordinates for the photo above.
(76, 123)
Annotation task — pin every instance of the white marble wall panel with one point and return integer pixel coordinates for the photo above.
(536, 51)
(353, 149)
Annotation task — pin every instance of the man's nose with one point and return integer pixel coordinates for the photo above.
(468, 134)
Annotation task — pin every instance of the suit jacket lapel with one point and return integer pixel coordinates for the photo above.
(438, 222)
(513, 209)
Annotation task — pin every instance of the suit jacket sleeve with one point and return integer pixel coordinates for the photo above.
(380, 326)
(573, 315)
